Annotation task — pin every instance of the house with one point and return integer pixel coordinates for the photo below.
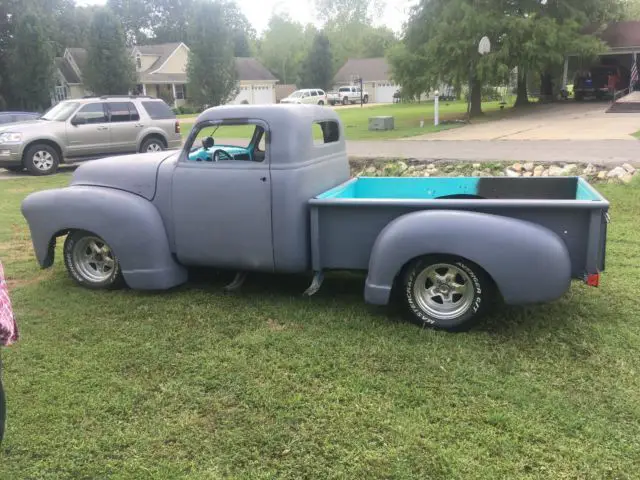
(162, 72)
(375, 74)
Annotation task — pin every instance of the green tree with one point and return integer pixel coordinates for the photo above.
(32, 64)
(110, 69)
(211, 72)
(317, 69)
(136, 18)
(282, 48)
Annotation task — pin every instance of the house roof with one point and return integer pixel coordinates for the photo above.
(79, 56)
(617, 34)
(252, 69)
(369, 69)
(163, 51)
(248, 69)
(67, 71)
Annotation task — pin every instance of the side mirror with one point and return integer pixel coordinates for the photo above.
(75, 121)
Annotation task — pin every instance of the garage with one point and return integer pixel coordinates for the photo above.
(384, 92)
(263, 94)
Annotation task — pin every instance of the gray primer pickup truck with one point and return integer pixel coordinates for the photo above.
(286, 203)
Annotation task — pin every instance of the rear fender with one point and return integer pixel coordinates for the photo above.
(131, 225)
(528, 263)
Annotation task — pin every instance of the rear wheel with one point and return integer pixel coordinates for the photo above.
(41, 159)
(365, 99)
(345, 101)
(152, 144)
(446, 292)
(91, 262)
(321, 102)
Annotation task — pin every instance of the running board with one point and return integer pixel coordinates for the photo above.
(316, 283)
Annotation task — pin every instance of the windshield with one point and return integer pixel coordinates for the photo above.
(296, 94)
(60, 112)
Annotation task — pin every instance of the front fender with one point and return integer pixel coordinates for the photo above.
(131, 225)
(528, 263)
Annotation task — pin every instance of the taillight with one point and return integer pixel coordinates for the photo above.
(177, 126)
(593, 280)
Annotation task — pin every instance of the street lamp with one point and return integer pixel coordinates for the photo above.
(436, 107)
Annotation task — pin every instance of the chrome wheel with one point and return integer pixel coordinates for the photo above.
(154, 147)
(443, 291)
(94, 260)
(43, 160)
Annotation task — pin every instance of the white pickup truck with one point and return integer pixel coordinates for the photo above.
(348, 95)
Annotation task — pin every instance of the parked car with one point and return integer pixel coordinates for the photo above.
(15, 117)
(86, 129)
(446, 246)
(348, 95)
(314, 96)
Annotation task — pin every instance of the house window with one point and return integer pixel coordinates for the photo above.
(179, 92)
(139, 62)
(61, 92)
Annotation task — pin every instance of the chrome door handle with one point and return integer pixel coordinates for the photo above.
(103, 128)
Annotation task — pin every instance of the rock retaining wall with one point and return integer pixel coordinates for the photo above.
(415, 168)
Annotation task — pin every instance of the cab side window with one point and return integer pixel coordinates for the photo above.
(215, 144)
(92, 113)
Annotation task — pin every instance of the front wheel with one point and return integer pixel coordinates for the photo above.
(365, 99)
(91, 262)
(446, 292)
(345, 101)
(41, 159)
(321, 103)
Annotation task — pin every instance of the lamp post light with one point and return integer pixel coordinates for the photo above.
(436, 108)
(484, 47)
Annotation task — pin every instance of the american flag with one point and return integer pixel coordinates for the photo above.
(634, 74)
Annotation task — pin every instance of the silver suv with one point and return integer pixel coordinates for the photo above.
(86, 129)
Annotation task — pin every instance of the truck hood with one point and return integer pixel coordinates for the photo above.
(131, 173)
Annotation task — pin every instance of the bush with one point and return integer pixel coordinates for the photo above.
(186, 110)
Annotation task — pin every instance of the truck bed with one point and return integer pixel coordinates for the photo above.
(346, 220)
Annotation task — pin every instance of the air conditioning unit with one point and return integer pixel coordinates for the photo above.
(381, 123)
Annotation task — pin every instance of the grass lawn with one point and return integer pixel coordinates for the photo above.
(406, 118)
(196, 384)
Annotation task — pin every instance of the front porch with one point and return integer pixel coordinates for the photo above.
(172, 93)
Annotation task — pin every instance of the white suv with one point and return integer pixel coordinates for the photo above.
(313, 96)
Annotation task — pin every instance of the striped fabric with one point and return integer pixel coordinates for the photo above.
(634, 75)
(8, 328)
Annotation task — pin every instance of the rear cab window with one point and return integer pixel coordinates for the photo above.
(158, 110)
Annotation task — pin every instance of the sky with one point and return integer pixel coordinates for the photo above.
(303, 11)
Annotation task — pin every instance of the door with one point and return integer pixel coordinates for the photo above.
(222, 209)
(125, 125)
(262, 94)
(385, 92)
(88, 132)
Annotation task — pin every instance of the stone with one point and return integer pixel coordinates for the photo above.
(511, 173)
(554, 171)
(402, 166)
(590, 170)
(434, 171)
(602, 175)
(476, 173)
(539, 168)
(545, 173)
(460, 166)
(537, 173)
(569, 170)
(527, 174)
(528, 166)
(628, 178)
(617, 172)
(426, 174)
(431, 166)
(629, 168)
(370, 170)
(476, 165)
(516, 167)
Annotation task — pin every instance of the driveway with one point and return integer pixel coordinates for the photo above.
(562, 121)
